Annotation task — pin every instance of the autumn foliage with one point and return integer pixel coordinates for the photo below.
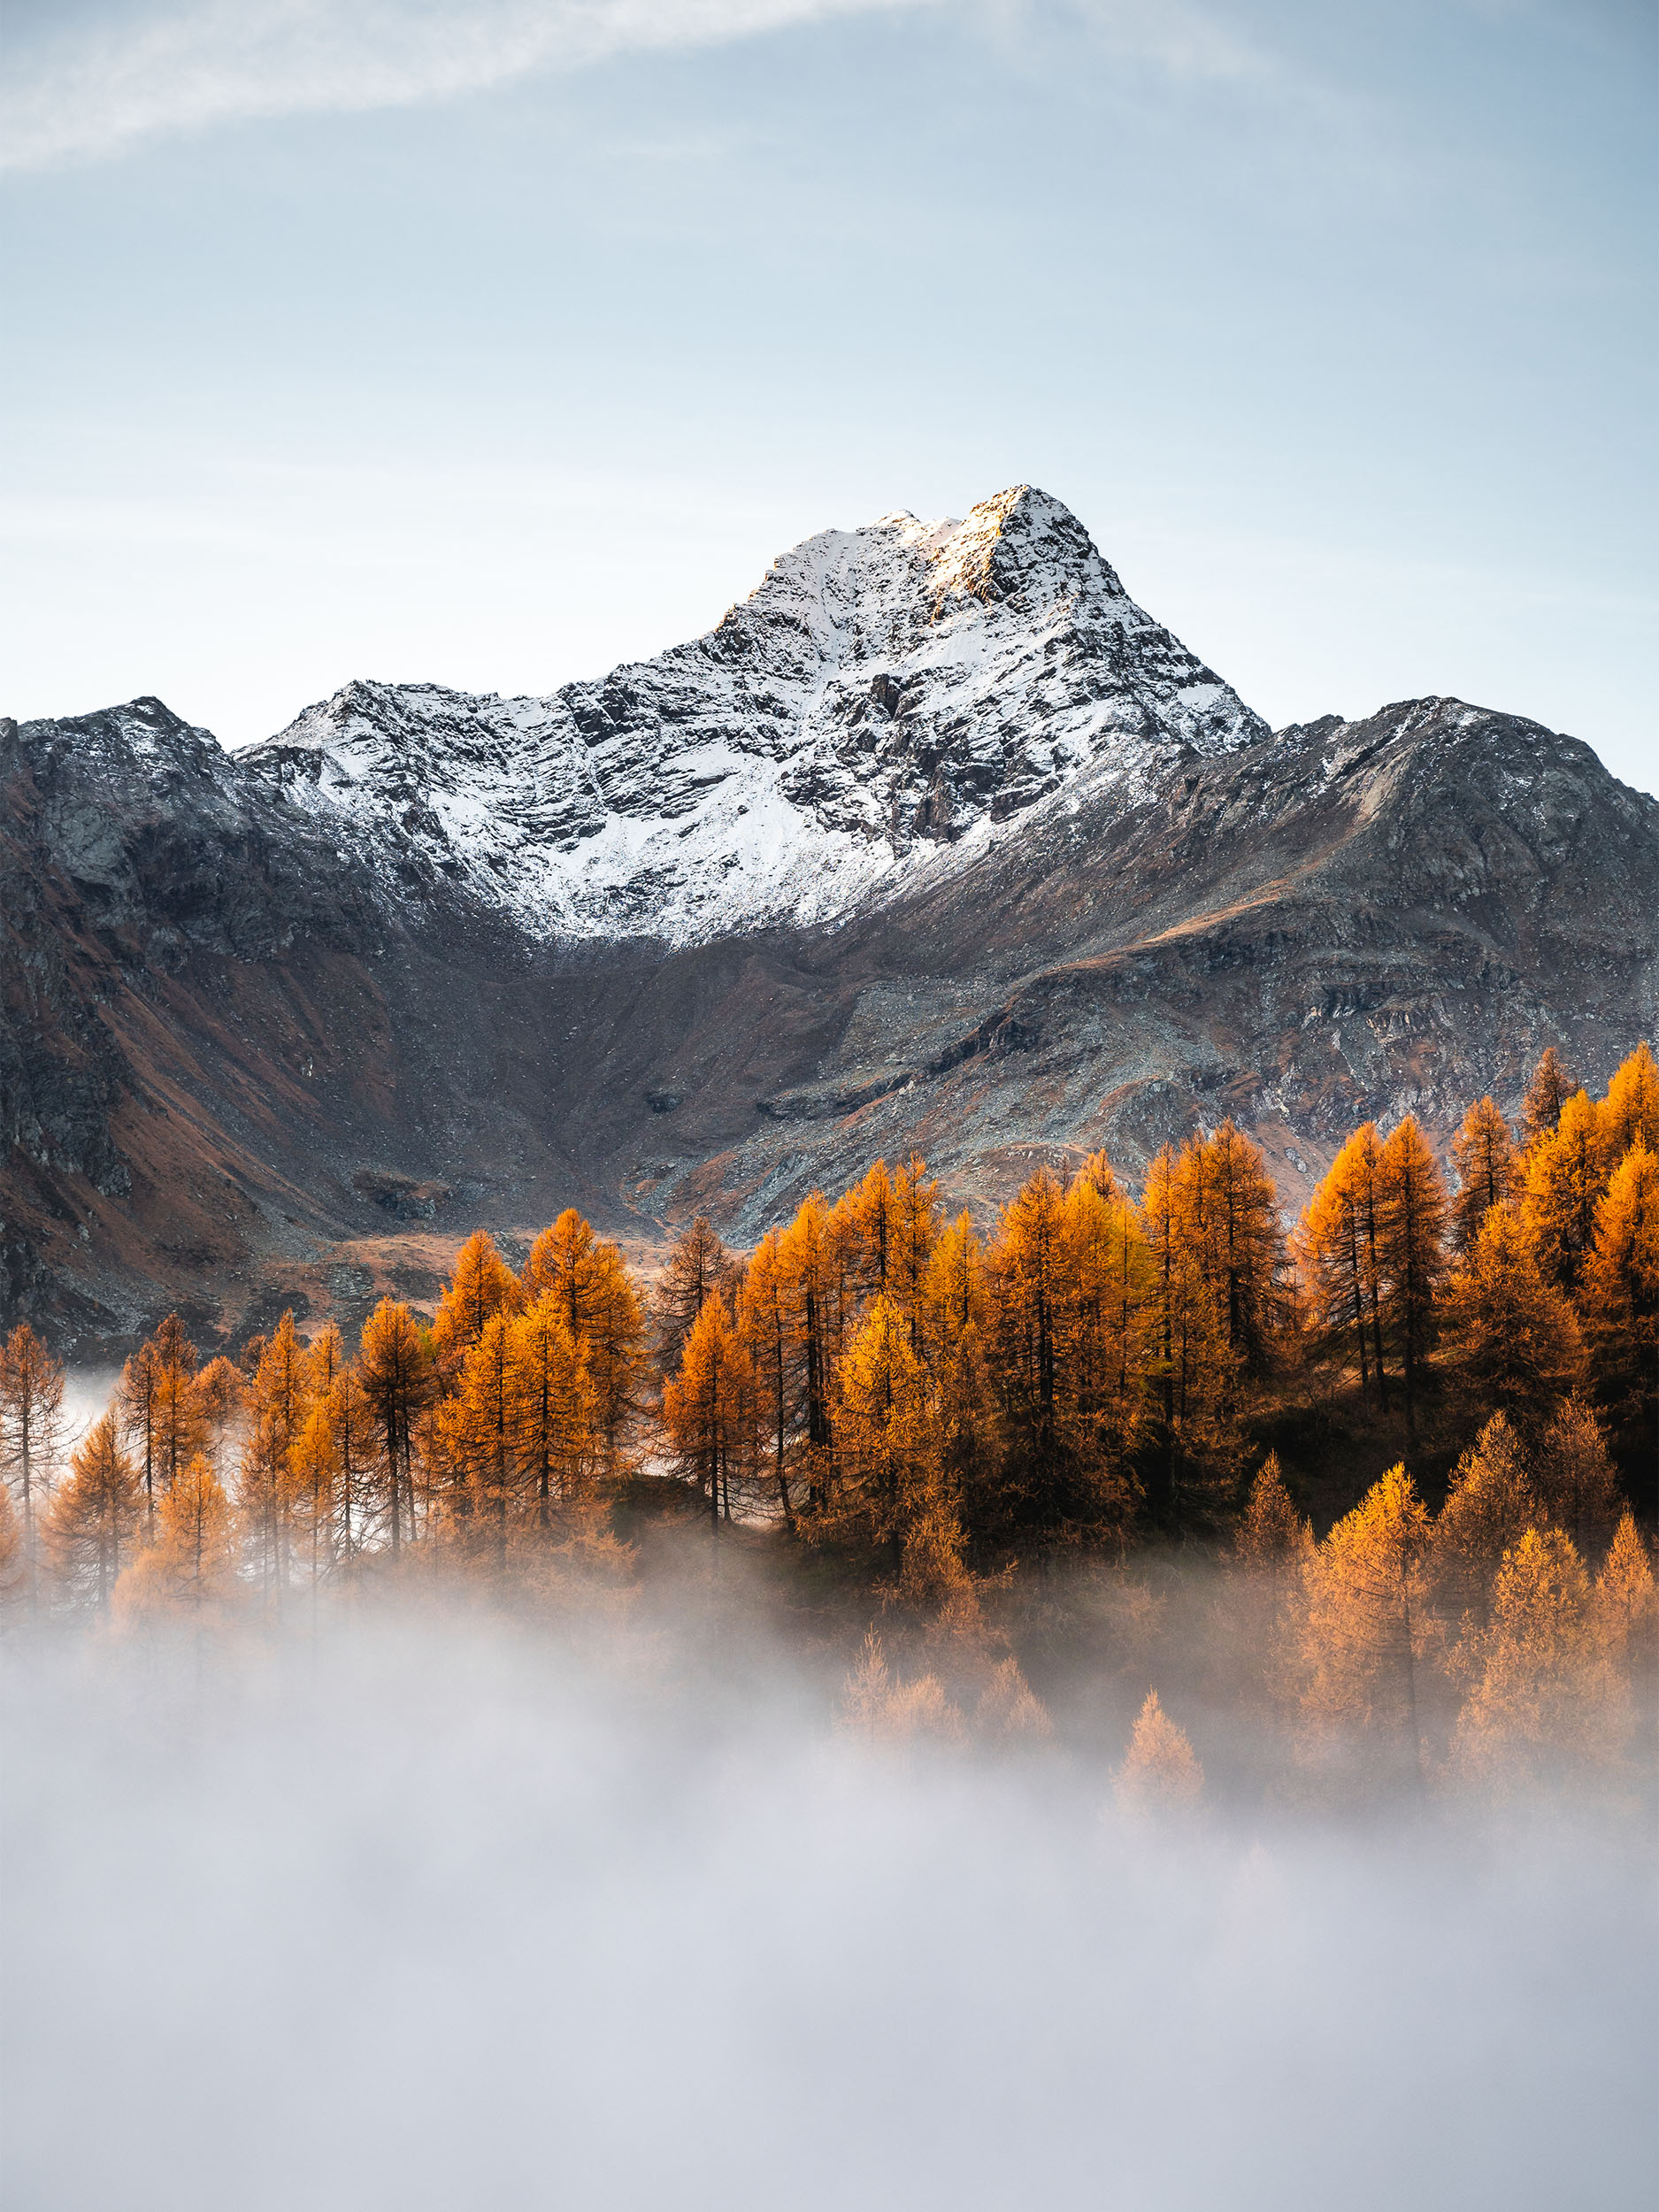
(927, 1406)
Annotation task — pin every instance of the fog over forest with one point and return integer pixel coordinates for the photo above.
(422, 1906)
(871, 1721)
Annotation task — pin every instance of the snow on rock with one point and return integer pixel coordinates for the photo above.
(885, 694)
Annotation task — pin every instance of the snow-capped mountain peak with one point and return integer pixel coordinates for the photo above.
(885, 695)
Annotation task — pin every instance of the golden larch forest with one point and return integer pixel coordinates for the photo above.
(1415, 1435)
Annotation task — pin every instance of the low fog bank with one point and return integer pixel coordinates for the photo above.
(423, 1912)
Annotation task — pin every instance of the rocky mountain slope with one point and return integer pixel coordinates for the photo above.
(885, 694)
(936, 839)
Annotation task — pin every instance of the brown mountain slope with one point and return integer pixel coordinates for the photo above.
(239, 1068)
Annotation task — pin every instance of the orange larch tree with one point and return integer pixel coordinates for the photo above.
(1621, 1301)
(590, 1280)
(1412, 1250)
(1104, 1327)
(558, 1417)
(31, 1437)
(889, 1465)
(95, 1514)
(698, 1268)
(1231, 1211)
(1193, 1370)
(1340, 1252)
(219, 1398)
(766, 1324)
(1630, 1112)
(870, 1205)
(135, 1397)
(1512, 1341)
(1565, 1177)
(1027, 1276)
(1546, 1094)
(1489, 1169)
(806, 1267)
(1363, 1622)
(396, 1370)
(278, 1402)
(475, 1425)
(913, 1232)
(953, 1304)
(481, 1287)
(1491, 1502)
(188, 1573)
(709, 1408)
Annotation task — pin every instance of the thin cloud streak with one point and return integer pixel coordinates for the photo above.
(97, 90)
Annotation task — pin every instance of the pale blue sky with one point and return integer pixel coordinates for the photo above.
(493, 344)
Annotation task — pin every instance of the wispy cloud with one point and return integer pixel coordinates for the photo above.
(90, 87)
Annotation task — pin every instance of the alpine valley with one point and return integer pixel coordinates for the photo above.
(936, 842)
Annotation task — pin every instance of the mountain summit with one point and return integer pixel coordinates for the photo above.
(885, 695)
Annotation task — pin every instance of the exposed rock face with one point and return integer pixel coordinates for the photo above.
(886, 693)
(1018, 876)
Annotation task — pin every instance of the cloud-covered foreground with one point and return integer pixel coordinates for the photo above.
(417, 1918)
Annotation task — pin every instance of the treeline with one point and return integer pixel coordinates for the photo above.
(926, 1405)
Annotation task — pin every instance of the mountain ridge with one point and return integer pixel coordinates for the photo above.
(884, 694)
(259, 1049)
